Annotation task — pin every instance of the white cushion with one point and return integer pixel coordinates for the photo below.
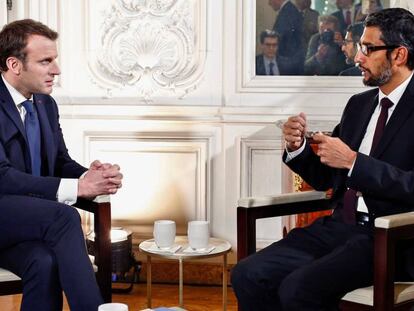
(6, 275)
(403, 291)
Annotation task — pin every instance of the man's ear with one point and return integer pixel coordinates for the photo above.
(14, 64)
(400, 56)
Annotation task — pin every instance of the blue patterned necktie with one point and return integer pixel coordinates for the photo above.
(31, 123)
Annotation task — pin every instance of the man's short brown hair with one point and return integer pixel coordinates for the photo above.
(13, 39)
(328, 19)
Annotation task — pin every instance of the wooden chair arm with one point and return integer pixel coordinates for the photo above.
(101, 209)
(90, 206)
(252, 208)
(388, 231)
(270, 200)
(394, 221)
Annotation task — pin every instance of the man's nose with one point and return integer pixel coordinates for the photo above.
(55, 70)
(358, 57)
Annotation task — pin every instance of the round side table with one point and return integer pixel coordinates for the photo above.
(221, 248)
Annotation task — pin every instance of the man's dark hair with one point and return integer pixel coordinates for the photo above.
(268, 34)
(397, 28)
(329, 19)
(13, 39)
(356, 30)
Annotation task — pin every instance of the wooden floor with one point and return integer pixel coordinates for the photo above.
(196, 298)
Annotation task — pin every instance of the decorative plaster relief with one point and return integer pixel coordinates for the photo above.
(155, 7)
(156, 47)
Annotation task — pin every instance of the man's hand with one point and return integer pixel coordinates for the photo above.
(97, 165)
(322, 52)
(334, 152)
(101, 178)
(109, 171)
(294, 130)
(338, 38)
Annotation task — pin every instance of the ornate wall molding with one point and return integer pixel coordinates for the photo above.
(261, 166)
(166, 175)
(155, 47)
(259, 156)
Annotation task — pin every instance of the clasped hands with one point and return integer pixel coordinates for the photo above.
(101, 178)
(331, 150)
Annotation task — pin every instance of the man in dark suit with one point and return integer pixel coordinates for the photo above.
(310, 20)
(266, 63)
(349, 48)
(369, 165)
(289, 26)
(41, 238)
(346, 14)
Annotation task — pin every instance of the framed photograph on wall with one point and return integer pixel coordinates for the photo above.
(259, 16)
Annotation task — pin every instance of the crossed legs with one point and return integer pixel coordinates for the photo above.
(310, 269)
(42, 242)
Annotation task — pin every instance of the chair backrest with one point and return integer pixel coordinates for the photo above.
(389, 230)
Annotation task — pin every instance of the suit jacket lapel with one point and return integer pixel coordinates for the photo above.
(261, 69)
(360, 128)
(46, 131)
(9, 107)
(401, 113)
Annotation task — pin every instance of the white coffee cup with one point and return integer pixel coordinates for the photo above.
(164, 233)
(114, 306)
(198, 234)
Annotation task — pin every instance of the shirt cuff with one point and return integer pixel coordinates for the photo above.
(292, 154)
(68, 191)
(351, 169)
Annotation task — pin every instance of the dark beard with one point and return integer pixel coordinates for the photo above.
(382, 79)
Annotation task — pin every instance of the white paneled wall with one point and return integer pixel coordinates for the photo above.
(166, 88)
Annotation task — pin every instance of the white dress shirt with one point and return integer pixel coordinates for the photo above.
(351, 11)
(366, 143)
(68, 188)
(267, 62)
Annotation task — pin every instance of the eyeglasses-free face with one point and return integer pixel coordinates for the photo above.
(368, 49)
(270, 46)
(346, 42)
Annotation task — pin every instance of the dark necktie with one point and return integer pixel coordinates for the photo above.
(271, 65)
(350, 196)
(382, 120)
(31, 124)
(348, 18)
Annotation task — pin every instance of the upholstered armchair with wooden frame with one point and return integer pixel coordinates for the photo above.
(101, 210)
(385, 294)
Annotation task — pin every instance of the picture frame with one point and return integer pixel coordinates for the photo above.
(248, 82)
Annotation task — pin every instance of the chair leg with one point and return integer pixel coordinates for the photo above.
(246, 233)
(102, 227)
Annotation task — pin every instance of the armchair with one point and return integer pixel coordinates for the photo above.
(101, 209)
(385, 294)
